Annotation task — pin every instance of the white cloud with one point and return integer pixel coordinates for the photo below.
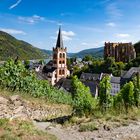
(95, 44)
(67, 35)
(15, 5)
(123, 35)
(114, 11)
(35, 19)
(111, 24)
(84, 44)
(31, 20)
(13, 31)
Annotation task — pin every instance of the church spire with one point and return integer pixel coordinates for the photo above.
(59, 43)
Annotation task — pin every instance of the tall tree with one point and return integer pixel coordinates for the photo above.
(136, 82)
(82, 98)
(104, 93)
(127, 94)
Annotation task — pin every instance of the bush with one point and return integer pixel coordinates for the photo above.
(88, 127)
(83, 102)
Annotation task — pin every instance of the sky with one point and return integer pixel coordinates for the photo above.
(85, 23)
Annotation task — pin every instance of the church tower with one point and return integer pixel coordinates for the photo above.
(60, 58)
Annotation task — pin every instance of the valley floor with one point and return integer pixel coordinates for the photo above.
(130, 132)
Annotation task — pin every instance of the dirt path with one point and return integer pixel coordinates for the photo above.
(131, 132)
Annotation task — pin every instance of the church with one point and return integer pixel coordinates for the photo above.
(56, 69)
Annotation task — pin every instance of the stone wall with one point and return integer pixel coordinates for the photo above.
(15, 107)
(124, 52)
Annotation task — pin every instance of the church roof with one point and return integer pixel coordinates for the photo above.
(59, 43)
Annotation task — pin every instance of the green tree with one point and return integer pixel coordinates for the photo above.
(27, 64)
(88, 58)
(83, 102)
(42, 62)
(105, 99)
(136, 82)
(127, 94)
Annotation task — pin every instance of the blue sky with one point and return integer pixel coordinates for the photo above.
(85, 23)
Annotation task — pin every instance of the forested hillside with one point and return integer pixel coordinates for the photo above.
(12, 47)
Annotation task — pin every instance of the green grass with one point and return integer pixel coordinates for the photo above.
(21, 130)
(88, 127)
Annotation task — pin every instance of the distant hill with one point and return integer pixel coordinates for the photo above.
(12, 47)
(95, 52)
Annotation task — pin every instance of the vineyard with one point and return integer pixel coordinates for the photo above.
(15, 77)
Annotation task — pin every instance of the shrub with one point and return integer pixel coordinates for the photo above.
(83, 102)
(88, 127)
(14, 76)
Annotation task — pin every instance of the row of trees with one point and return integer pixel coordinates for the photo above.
(128, 97)
(107, 66)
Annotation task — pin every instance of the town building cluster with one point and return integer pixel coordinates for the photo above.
(56, 71)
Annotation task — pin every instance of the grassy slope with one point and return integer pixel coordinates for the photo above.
(11, 47)
(21, 130)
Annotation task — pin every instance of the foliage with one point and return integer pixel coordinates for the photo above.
(83, 102)
(136, 82)
(137, 48)
(98, 66)
(126, 96)
(88, 58)
(27, 64)
(11, 47)
(42, 62)
(88, 127)
(134, 63)
(19, 129)
(105, 99)
(14, 76)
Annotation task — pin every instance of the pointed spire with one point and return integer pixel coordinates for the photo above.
(59, 43)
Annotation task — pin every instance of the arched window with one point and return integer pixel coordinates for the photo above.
(60, 55)
(63, 55)
(59, 62)
(63, 71)
(63, 62)
(60, 72)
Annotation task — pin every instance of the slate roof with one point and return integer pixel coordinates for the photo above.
(90, 76)
(130, 72)
(48, 67)
(115, 79)
(59, 43)
(66, 84)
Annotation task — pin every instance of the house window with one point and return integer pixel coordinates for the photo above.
(60, 55)
(60, 72)
(63, 71)
(63, 62)
(59, 62)
(63, 55)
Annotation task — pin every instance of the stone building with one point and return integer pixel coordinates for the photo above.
(57, 68)
(120, 51)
